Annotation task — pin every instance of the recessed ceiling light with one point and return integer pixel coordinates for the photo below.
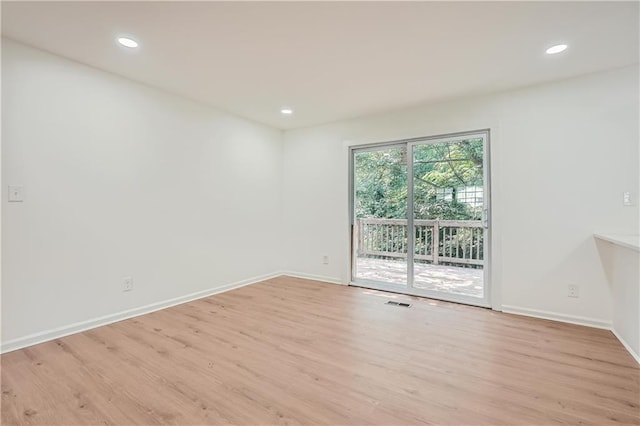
(128, 42)
(556, 49)
(286, 111)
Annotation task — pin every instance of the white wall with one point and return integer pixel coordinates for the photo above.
(122, 179)
(561, 156)
(622, 266)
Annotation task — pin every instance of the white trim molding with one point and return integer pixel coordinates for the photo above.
(626, 346)
(571, 319)
(55, 333)
(330, 280)
(555, 316)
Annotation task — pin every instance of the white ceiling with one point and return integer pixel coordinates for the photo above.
(329, 60)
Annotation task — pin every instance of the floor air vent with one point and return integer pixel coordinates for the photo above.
(404, 305)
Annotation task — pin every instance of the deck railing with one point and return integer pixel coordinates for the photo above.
(459, 242)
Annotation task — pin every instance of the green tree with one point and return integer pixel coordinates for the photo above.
(440, 170)
(381, 184)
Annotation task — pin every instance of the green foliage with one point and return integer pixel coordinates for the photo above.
(381, 184)
(440, 170)
(443, 169)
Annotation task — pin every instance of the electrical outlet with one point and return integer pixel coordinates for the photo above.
(627, 199)
(574, 290)
(127, 284)
(16, 194)
(325, 260)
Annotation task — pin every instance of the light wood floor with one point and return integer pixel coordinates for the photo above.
(291, 351)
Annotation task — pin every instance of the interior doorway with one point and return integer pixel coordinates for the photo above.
(420, 217)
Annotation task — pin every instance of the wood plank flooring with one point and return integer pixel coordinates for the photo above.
(293, 351)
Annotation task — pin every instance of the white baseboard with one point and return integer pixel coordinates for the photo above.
(626, 345)
(555, 316)
(45, 336)
(56, 333)
(330, 280)
(572, 319)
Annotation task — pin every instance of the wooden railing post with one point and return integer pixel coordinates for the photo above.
(361, 247)
(377, 237)
(435, 239)
(355, 237)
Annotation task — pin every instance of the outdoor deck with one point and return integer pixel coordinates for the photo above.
(442, 278)
(383, 245)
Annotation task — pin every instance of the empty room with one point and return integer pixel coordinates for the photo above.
(331, 213)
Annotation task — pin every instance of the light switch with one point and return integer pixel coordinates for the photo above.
(16, 194)
(627, 200)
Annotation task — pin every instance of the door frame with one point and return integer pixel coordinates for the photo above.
(409, 289)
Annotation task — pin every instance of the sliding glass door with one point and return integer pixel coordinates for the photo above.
(420, 217)
(380, 210)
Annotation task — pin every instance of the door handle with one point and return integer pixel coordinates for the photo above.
(485, 218)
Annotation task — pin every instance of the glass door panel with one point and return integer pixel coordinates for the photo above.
(448, 211)
(379, 230)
